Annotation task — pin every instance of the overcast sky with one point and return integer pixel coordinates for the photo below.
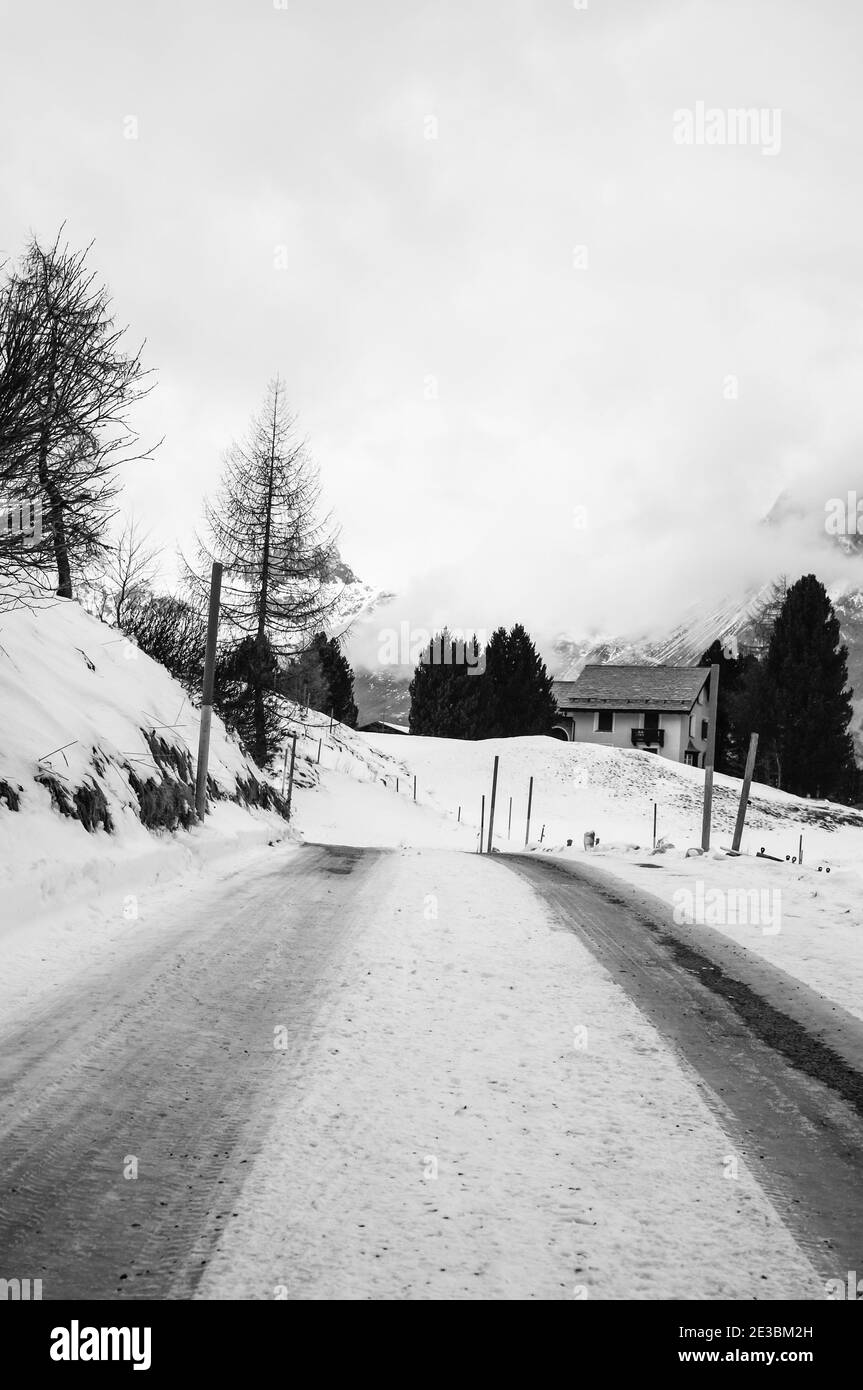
(537, 311)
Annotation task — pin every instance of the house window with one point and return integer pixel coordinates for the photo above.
(651, 719)
(704, 729)
(605, 721)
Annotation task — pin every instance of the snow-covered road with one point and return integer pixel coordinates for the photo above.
(133, 1101)
(361, 1073)
(781, 1066)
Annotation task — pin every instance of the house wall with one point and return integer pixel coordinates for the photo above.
(700, 710)
(675, 725)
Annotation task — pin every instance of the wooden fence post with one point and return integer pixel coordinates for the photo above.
(709, 757)
(744, 792)
(493, 800)
(207, 693)
(291, 778)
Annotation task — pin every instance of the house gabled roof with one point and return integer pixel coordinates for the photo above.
(632, 687)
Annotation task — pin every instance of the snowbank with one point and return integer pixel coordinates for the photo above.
(95, 734)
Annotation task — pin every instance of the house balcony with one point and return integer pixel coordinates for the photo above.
(641, 737)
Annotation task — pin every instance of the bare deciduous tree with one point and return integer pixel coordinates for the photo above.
(129, 568)
(69, 384)
(279, 554)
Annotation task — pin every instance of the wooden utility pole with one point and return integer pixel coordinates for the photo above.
(207, 694)
(509, 821)
(744, 792)
(291, 778)
(654, 825)
(493, 800)
(320, 741)
(709, 757)
(529, 801)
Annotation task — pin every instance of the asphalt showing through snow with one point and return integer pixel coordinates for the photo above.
(130, 1110)
(782, 1068)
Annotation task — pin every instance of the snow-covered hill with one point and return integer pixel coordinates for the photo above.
(97, 751)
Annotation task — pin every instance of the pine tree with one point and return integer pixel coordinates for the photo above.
(245, 678)
(339, 680)
(445, 696)
(732, 742)
(807, 672)
(505, 695)
(516, 696)
(753, 710)
(303, 680)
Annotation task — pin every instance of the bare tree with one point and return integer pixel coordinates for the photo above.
(70, 384)
(127, 572)
(279, 556)
(23, 364)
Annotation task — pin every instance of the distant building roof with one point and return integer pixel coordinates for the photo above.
(382, 726)
(632, 687)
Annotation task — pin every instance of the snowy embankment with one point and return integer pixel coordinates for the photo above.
(97, 751)
(804, 921)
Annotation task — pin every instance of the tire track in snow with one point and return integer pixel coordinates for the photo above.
(792, 1107)
(169, 1058)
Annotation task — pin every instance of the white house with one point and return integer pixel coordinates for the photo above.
(662, 709)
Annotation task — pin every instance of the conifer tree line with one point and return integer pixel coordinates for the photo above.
(69, 382)
(795, 696)
(510, 694)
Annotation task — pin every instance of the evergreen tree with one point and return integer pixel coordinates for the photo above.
(807, 673)
(731, 741)
(320, 678)
(507, 695)
(516, 696)
(303, 680)
(339, 680)
(445, 697)
(244, 694)
(753, 710)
